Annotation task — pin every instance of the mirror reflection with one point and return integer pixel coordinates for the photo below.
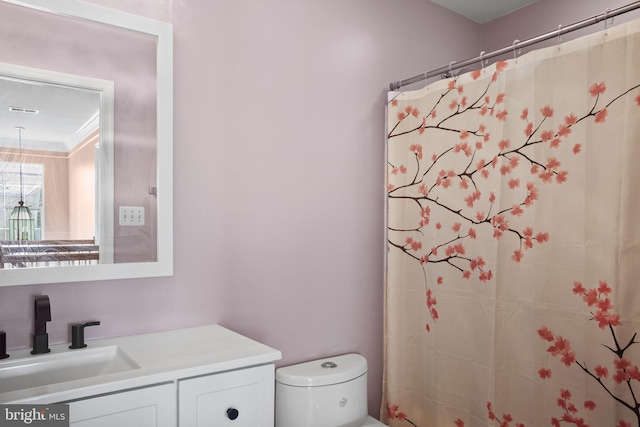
(50, 152)
(85, 129)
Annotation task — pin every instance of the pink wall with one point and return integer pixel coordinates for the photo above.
(56, 196)
(82, 184)
(279, 138)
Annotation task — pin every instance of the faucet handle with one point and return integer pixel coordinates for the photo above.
(77, 333)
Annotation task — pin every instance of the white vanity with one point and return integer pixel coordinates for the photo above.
(192, 377)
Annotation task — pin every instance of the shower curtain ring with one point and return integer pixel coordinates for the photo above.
(559, 34)
(516, 51)
(450, 68)
(482, 59)
(606, 19)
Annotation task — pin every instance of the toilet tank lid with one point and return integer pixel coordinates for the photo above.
(322, 372)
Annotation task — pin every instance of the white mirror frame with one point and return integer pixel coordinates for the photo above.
(164, 264)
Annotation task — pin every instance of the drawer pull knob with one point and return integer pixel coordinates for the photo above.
(232, 413)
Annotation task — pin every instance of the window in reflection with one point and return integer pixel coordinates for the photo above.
(33, 180)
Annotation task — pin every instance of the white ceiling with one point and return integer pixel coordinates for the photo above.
(65, 115)
(482, 11)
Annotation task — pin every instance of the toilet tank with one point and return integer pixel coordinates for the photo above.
(329, 392)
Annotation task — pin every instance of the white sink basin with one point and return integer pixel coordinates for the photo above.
(39, 370)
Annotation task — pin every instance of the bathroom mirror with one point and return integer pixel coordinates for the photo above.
(86, 139)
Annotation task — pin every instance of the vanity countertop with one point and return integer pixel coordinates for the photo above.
(161, 357)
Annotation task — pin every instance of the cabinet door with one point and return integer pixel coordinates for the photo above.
(242, 398)
(147, 407)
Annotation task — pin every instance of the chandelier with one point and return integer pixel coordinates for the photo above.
(21, 223)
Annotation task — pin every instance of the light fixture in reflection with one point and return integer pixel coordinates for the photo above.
(21, 223)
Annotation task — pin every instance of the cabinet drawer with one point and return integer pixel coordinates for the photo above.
(147, 407)
(242, 398)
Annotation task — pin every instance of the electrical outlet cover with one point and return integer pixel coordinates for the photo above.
(131, 216)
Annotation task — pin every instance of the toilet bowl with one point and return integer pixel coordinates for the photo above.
(328, 392)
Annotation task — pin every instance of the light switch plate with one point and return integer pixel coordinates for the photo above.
(131, 216)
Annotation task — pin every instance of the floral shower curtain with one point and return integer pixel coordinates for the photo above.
(513, 271)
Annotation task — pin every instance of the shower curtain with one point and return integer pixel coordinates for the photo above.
(512, 293)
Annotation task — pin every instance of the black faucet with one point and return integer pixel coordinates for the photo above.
(3, 345)
(77, 333)
(42, 315)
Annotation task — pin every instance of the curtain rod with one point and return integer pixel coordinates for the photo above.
(518, 45)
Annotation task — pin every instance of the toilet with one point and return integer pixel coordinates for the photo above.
(328, 392)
